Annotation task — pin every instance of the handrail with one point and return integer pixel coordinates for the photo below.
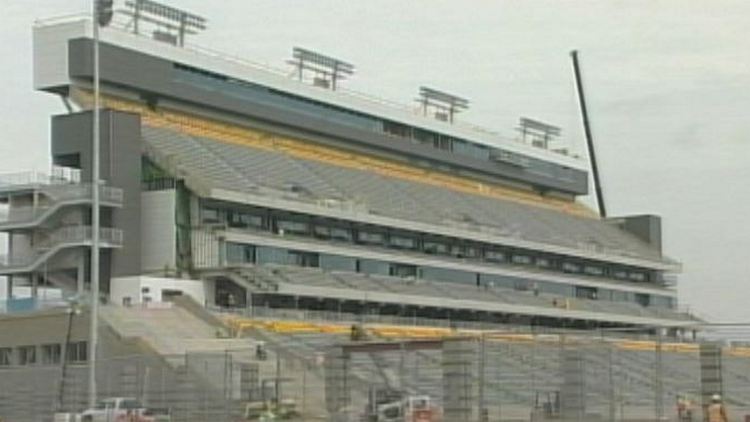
(60, 195)
(63, 237)
(56, 176)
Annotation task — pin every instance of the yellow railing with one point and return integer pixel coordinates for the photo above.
(240, 325)
(297, 148)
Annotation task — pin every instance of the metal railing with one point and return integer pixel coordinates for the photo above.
(60, 238)
(56, 176)
(59, 194)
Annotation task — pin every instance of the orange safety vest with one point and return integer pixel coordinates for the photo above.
(716, 413)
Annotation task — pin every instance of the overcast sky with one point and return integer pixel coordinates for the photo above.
(668, 84)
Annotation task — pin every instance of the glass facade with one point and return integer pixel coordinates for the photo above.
(330, 262)
(245, 91)
(259, 219)
(255, 219)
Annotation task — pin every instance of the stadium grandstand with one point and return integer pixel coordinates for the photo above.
(274, 216)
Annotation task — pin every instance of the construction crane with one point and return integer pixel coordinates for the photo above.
(589, 137)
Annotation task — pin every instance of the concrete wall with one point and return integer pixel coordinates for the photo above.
(646, 228)
(144, 288)
(120, 167)
(158, 231)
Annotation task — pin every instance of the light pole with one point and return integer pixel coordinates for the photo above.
(101, 15)
(73, 310)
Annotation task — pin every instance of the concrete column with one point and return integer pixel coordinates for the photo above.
(34, 284)
(460, 386)
(10, 256)
(337, 389)
(80, 274)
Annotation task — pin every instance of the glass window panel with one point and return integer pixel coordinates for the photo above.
(368, 266)
(337, 263)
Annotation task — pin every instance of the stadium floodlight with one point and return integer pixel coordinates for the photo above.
(446, 104)
(540, 133)
(164, 16)
(104, 11)
(329, 68)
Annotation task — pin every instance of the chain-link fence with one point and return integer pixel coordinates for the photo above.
(204, 386)
(406, 374)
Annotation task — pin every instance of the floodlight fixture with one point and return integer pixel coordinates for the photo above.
(540, 133)
(164, 16)
(328, 70)
(447, 105)
(104, 11)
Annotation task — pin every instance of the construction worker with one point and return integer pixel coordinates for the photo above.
(716, 412)
(684, 409)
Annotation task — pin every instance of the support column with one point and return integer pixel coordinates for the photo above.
(711, 372)
(572, 390)
(10, 256)
(80, 274)
(337, 389)
(34, 284)
(459, 380)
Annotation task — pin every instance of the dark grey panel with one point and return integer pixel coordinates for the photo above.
(120, 167)
(155, 78)
(646, 228)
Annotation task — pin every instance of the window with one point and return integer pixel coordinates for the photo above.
(593, 270)
(322, 232)
(6, 353)
(637, 276)
(337, 263)
(620, 296)
(243, 220)
(444, 274)
(368, 266)
(296, 227)
(586, 292)
(130, 404)
(304, 259)
(211, 215)
(77, 352)
(396, 129)
(402, 242)
(620, 274)
(338, 233)
(494, 256)
(270, 255)
(471, 252)
(370, 238)
(51, 354)
(238, 253)
(569, 267)
(26, 355)
(543, 263)
(403, 270)
(425, 137)
(521, 259)
(68, 160)
(435, 247)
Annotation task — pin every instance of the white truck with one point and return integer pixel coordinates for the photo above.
(117, 409)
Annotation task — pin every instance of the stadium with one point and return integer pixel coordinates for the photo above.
(273, 243)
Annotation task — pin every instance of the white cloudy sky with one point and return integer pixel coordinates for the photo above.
(668, 84)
